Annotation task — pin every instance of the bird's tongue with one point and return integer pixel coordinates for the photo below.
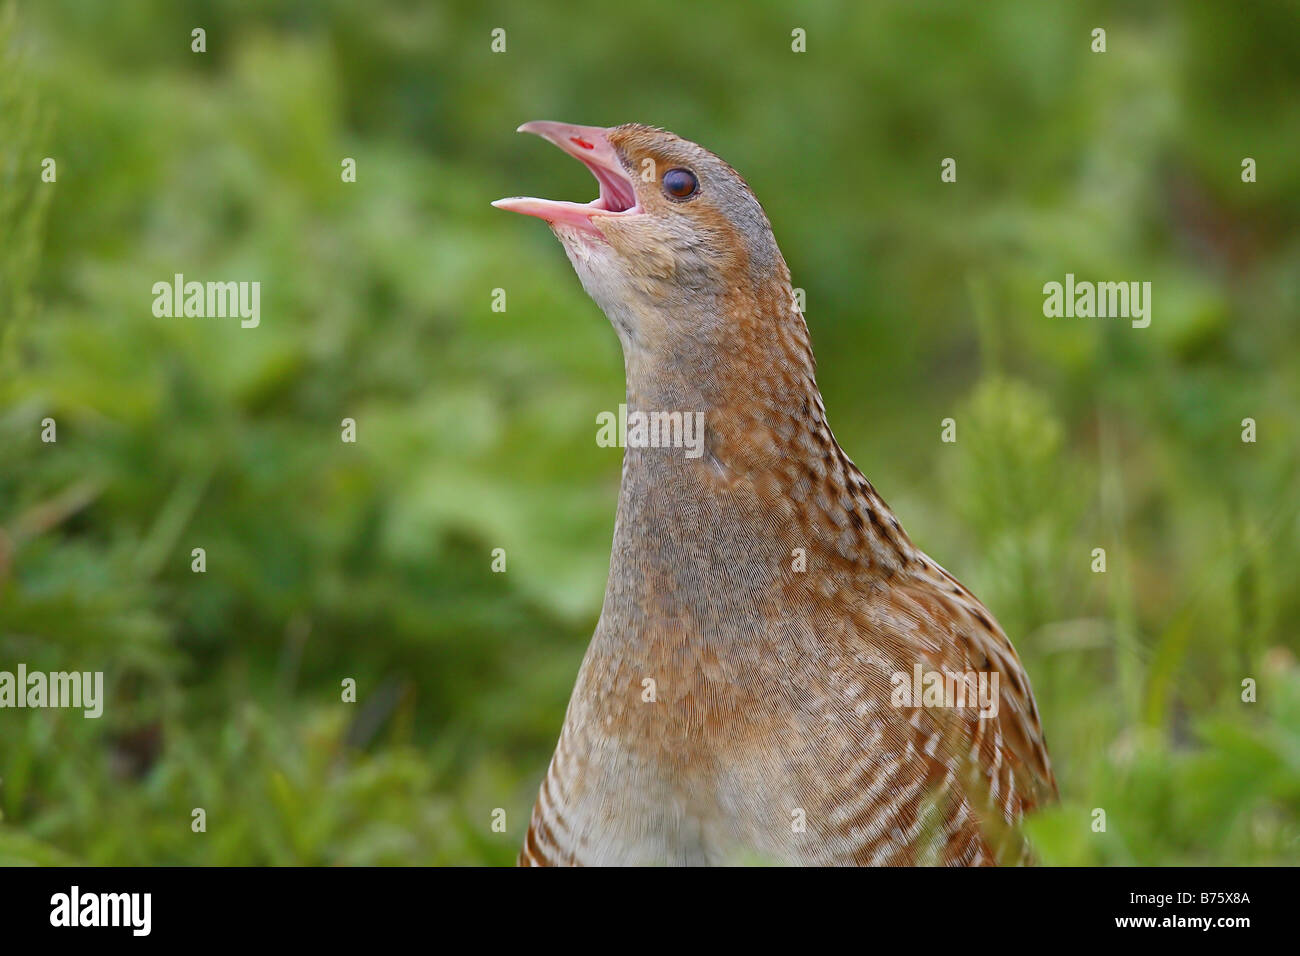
(591, 145)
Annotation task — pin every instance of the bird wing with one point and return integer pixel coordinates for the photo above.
(995, 767)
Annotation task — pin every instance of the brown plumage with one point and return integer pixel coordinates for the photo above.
(762, 590)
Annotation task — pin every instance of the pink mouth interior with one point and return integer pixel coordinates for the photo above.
(616, 192)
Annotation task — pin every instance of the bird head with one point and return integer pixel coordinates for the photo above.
(675, 249)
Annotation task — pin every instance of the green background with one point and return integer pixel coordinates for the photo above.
(476, 428)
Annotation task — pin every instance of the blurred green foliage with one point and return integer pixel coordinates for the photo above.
(327, 560)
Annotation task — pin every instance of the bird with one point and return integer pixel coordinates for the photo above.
(758, 687)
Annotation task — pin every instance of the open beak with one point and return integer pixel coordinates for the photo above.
(591, 145)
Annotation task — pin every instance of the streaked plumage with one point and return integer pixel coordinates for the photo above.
(773, 685)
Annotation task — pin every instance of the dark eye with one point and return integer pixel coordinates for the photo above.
(680, 183)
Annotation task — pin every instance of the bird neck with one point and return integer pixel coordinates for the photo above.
(742, 357)
(723, 525)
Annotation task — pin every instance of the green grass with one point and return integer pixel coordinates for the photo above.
(371, 561)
